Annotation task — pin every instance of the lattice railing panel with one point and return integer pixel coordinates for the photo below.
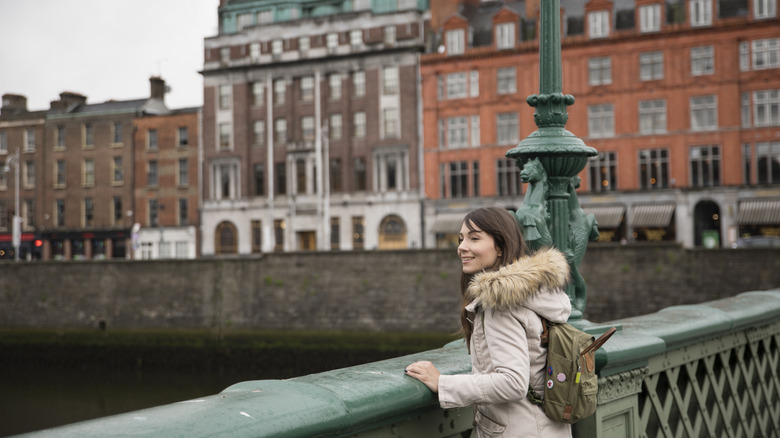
(726, 387)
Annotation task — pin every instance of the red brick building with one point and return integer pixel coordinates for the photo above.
(680, 98)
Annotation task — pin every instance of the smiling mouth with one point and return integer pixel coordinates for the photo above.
(466, 259)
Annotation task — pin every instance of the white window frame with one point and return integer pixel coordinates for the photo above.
(390, 80)
(307, 88)
(389, 35)
(507, 128)
(230, 170)
(359, 83)
(763, 9)
(766, 53)
(650, 18)
(474, 134)
(700, 12)
(704, 112)
(505, 35)
(601, 120)
(598, 24)
(304, 44)
(600, 70)
(254, 52)
(506, 80)
(651, 66)
(258, 129)
(356, 38)
(766, 108)
(334, 84)
(391, 122)
(652, 116)
(332, 42)
(457, 132)
(474, 83)
(280, 91)
(702, 60)
(455, 41)
(359, 122)
(456, 85)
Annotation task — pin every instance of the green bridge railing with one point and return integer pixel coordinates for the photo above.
(706, 370)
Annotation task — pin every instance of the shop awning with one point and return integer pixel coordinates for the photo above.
(652, 215)
(608, 216)
(448, 223)
(759, 212)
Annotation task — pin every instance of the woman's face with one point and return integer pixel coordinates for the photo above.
(477, 250)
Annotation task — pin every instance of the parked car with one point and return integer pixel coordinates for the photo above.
(758, 242)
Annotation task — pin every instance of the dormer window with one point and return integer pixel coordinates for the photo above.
(277, 48)
(701, 12)
(505, 35)
(455, 41)
(650, 18)
(598, 24)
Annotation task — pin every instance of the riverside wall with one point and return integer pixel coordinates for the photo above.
(390, 291)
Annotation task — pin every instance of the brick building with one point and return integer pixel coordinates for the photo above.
(680, 97)
(167, 184)
(311, 127)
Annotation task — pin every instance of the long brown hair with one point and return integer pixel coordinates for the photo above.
(501, 225)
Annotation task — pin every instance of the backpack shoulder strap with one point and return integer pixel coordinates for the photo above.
(545, 337)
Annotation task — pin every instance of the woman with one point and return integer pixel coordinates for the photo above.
(504, 293)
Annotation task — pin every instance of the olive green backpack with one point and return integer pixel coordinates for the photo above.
(571, 383)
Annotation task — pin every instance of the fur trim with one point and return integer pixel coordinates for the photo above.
(511, 285)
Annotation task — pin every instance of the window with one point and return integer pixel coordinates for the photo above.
(506, 128)
(258, 94)
(4, 143)
(455, 41)
(225, 180)
(508, 174)
(88, 173)
(89, 212)
(764, 8)
(89, 135)
(650, 18)
(701, 12)
(29, 140)
(279, 226)
(151, 139)
(280, 131)
(389, 35)
(600, 70)
(598, 24)
(29, 213)
(259, 179)
(117, 172)
(705, 166)
(224, 55)
(475, 131)
(334, 83)
(280, 170)
(277, 47)
(59, 208)
(652, 116)
(304, 44)
(264, 17)
(335, 231)
(355, 38)
(60, 141)
(184, 172)
(59, 173)
(505, 35)
(335, 127)
(4, 213)
(359, 173)
(745, 110)
(332, 42)
(117, 133)
(151, 173)
(458, 180)
(244, 20)
(359, 120)
(258, 130)
(358, 232)
(602, 171)
(391, 170)
(702, 60)
(116, 210)
(307, 128)
(456, 85)
(224, 136)
(768, 158)
(651, 66)
(391, 122)
(766, 53)
(184, 136)
(3, 179)
(280, 89)
(335, 175)
(183, 212)
(474, 83)
(506, 78)
(601, 120)
(704, 113)
(359, 83)
(154, 219)
(257, 237)
(457, 131)
(254, 52)
(766, 107)
(28, 170)
(307, 88)
(390, 80)
(224, 96)
(653, 168)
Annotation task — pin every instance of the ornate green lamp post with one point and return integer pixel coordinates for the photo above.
(551, 157)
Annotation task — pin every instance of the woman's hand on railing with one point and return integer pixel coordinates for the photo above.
(425, 372)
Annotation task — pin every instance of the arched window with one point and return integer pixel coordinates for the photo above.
(392, 233)
(226, 239)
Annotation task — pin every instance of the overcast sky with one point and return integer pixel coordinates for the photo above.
(104, 49)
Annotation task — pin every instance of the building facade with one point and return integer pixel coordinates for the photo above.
(167, 184)
(311, 127)
(680, 98)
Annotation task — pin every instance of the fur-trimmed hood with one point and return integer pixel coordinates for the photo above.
(545, 272)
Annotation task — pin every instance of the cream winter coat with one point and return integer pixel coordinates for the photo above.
(505, 347)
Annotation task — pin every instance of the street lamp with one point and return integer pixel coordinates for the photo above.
(16, 234)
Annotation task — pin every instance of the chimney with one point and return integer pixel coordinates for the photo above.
(13, 104)
(68, 99)
(158, 87)
(532, 9)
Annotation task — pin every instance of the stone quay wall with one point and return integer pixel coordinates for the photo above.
(381, 291)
